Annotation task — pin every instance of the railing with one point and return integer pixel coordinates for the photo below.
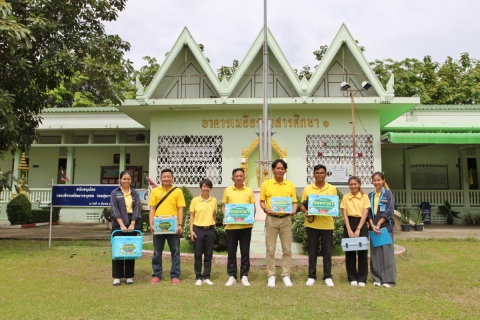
(474, 197)
(43, 195)
(437, 197)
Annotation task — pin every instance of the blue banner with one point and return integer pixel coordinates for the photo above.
(78, 195)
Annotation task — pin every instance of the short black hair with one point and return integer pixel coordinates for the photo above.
(274, 163)
(126, 172)
(206, 182)
(237, 169)
(166, 170)
(318, 167)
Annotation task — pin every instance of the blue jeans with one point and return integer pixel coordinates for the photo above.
(158, 246)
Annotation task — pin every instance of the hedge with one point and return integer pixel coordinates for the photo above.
(19, 211)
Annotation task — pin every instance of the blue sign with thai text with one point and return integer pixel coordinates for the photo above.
(76, 195)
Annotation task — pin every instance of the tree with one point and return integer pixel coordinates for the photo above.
(453, 82)
(44, 44)
(226, 71)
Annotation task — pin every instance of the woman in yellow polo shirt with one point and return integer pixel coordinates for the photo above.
(355, 207)
(203, 215)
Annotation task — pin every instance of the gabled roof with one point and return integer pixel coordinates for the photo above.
(160, 94)
(257, 47)
(344, 38)
(185, 39)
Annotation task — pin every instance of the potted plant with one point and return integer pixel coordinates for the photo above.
(405, 219)
(446, 210)
(418, 220)
(107, 216)
(469, 218)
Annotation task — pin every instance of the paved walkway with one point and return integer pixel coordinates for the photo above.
(99, 231)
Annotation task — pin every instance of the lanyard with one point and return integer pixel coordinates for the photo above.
(372, 201)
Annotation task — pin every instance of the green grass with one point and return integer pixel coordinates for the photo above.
(437, 279)
(185, 247)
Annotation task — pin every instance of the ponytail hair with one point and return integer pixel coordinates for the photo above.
(381, 175)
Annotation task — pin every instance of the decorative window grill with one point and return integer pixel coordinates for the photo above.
(335, 151)
(191, 158)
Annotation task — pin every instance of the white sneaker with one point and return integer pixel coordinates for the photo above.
(207, 281)
(311, 282)
(198, 282)
(129, 281)
(329, 282)
(361, 284)
(354, 283)
(377, 284)
(116, 282)
(386, 285)
(287, 282)
(245, 282)
(271, 281)
(231, 281)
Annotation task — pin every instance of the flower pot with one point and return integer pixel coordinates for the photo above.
(405, 227)
(419, 227)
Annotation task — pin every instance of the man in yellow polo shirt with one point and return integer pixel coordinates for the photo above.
(319, 227)
(172, 206)
(238, 233)
(278, 225)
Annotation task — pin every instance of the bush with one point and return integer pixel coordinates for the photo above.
(19, 210)
(299, 233)
(43, 215)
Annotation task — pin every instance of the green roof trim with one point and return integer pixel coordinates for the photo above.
(447, 107)
(80, 110)
(432, 138)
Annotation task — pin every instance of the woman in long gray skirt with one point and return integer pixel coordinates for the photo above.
(380, 215)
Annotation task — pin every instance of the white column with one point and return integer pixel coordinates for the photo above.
(407, 177)
(464, 184)
(70, 164)
(123, 160)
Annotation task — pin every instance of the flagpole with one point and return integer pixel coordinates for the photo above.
(263, 131)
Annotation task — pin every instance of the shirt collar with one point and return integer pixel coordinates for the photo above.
(358, 196)
(327, 185)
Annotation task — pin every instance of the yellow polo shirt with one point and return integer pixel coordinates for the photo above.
(203, 211)
(355, 205)
(323, 223)
(272, 188)
(375, 202)
(128, 201)
(170, 206)
(232, 195)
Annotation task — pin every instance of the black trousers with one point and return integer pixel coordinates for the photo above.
(123, 268)
(353, 273)
(313, 239)
(234, 237)
(203, 245)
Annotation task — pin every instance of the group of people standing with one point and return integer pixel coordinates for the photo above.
(169, 200)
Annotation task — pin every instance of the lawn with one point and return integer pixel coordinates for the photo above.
(437, 279)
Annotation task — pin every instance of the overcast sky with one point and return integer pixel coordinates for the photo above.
(396, 29)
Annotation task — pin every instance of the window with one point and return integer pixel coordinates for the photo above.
(191, 158)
